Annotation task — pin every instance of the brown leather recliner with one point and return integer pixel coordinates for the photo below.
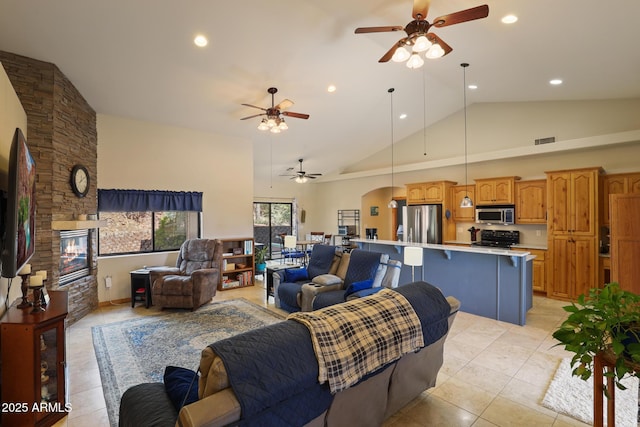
(194, 280)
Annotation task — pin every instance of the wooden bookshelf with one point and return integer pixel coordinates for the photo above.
(237, 269)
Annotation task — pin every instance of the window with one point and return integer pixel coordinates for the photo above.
(144, 229)
(136, 232)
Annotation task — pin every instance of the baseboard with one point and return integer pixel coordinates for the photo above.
(118, 301)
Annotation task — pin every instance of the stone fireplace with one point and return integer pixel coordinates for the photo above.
(61, 133)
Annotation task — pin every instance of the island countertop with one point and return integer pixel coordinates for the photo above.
(456, 248)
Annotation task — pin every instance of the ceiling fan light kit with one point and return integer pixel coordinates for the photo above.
(301, 176)
(419, 39)
(273, 122)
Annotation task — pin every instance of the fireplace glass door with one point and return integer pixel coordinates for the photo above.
(74, 255)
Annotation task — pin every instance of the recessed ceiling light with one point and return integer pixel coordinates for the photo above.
(473, 87)
(509, 19)
(555, 82)
(403, 116)
(200, 40)
(331, 88)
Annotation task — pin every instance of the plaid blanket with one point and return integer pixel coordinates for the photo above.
(358, 337)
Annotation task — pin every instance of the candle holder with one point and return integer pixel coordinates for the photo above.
(37, 301)
(24, 287)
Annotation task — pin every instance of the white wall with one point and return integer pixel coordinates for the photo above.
(141, 155)
(503, 127)
(12, 116)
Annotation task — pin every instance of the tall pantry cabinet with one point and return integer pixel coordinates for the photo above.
(572, 231)
(625, 240)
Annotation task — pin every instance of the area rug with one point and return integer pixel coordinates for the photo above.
(572, 396)
(136, 351)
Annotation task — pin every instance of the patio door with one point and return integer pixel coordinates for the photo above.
(271, 221)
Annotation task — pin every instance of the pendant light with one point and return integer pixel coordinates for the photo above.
(466, 201)
(392, 203)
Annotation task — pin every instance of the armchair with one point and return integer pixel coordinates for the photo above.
(194, 279)
(286, 289)
(316, 296)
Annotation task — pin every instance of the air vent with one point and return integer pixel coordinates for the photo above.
(548, 140)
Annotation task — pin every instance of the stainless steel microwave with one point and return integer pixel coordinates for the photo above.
(495, 214)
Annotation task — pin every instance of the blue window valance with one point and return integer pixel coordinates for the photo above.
(148, 201)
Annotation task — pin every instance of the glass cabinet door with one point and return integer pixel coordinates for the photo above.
(51, 354)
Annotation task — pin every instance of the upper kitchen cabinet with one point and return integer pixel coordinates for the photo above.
(571, 199)
(496, 191)
(531, 202)
(621, 183)
(428, 192)
(458, 193)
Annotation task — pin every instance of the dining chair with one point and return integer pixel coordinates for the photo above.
(291, 249)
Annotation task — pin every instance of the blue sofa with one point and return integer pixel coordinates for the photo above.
(268, 376)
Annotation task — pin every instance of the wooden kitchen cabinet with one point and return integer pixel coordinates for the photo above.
(496, 191)
(34, 364)
(573, 267)
(531, 202)
(415, 194)
(539, 278)
(605, 271)
(458, 192)
(428, 192)
(621, 183)
(571, 199)
(625, 241)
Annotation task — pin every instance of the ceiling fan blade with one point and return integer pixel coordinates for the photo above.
(420, 8)
(478, 12)
(310, 177)
(296, 115)
(387, 56)
(314, 174)
(251, 117)
(434, 38)
(363, 30)
(284, 105)
(253, 106)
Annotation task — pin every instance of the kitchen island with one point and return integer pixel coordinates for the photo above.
(494, 283)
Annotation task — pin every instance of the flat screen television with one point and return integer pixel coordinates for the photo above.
(20, 214)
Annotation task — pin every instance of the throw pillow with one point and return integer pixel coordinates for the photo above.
(292, 275)
(181, 385)
(358, 286)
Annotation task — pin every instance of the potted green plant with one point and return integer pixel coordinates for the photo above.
(605, 321)
(261, 258)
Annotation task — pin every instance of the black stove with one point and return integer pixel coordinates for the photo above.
(498, 238)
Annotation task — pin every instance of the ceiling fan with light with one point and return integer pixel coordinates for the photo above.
(301, 176)
(419, 39)
(273, 121)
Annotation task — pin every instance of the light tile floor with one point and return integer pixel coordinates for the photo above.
(494, 374)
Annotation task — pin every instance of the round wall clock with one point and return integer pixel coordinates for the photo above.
(80, 180)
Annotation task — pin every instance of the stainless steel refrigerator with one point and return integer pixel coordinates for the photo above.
(422, 223)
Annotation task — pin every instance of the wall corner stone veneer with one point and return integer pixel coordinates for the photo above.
(61, 132)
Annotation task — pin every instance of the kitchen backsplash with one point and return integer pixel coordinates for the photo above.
(530, 234)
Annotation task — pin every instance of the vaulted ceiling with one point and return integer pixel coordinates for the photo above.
(137, 59)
